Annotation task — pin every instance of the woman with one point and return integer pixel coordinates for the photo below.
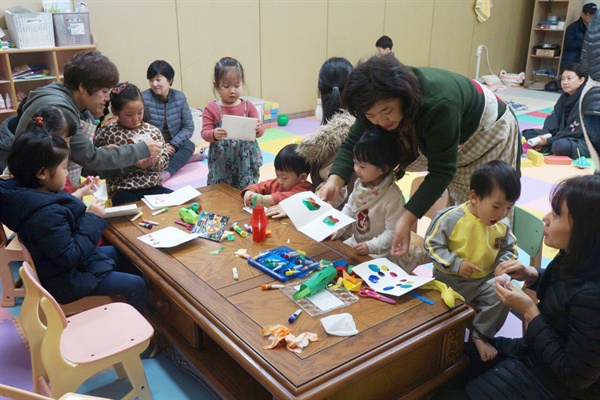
(169, 111)
(559, 356)
(564, 124)
(448, 124)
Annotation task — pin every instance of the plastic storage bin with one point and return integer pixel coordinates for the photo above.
(72, 29)
(29, 29)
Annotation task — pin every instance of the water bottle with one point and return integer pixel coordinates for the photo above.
(259, 223)
(2, 104)
(319, 110)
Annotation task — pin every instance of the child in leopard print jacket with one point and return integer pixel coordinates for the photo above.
(128, 106)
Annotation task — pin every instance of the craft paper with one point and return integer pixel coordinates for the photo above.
(324, 300)
(241, 128)
(314, 217)
(128, 209)
(388, 278)
(176, 198)
(167, 237)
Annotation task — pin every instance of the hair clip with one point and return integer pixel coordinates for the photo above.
(39, 121)
(118, 89)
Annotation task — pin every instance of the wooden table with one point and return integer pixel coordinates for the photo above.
(402, 351)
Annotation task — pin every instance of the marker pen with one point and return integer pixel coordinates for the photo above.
(235, 273)
(149, 226)
(293, 317)
(136, 216)
(162, 210)
(147, 221)
(239, 230)
(269, 286)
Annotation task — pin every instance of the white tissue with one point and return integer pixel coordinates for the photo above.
(339, 325)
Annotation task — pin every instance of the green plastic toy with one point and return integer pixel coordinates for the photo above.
(283, 119)
(195, 207)
(188, 215)
(316, 283)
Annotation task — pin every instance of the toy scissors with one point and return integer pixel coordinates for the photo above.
(185, 225)
(366, 291)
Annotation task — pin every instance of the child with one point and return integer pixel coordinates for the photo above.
(236, 162)
(291, 169)
(384, 45)
(54, 121)
(57, 229)
(376, 201)
(128, 106)
(467, 242)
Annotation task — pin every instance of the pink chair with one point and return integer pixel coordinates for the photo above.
(65, 352)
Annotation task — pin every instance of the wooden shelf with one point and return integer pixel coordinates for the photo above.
(53, 58)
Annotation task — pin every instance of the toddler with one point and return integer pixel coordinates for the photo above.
(467, 242)
(57, 229)
(127, 105)
(236, 162)
(291, 170)
(376, 202)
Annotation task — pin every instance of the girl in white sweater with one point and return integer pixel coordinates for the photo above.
(376, 201)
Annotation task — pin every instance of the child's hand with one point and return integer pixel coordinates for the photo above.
(467, 268)
(276, 212)
(96, 208)
(333, 237)
(248, 198)
(257, 127)
(362, 249)
(220, 134)
(91, 184)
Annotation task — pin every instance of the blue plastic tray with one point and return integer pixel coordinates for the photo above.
(277, 261)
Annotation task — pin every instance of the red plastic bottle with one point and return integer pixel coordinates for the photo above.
(259, 223)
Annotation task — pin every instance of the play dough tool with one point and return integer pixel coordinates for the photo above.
(316, 283)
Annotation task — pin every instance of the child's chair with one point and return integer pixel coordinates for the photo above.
(11, 392)
(10, 287)
(76, 306)
(66, 352)
(529, 231)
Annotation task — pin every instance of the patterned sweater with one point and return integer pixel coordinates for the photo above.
(115, 134)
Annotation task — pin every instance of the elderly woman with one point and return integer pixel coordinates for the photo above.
(169, 111)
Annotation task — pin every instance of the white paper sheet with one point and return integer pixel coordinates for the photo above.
(241, 128)
(314, 217)
(167, 237)
(177, 198)
(388, 278)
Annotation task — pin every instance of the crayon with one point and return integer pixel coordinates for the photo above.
(136, 216)
(270, 286)
(162, 210)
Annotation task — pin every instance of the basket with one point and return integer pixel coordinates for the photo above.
(29, 29)
(72, 29)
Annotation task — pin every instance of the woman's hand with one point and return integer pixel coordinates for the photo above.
(96, 207)
(401, 242)
(220, 134)
(154, 147)
(543, 141)
(276, 212)
(515, 298)
(171, 149)
(330, 190)
(517, 270)
(146, 163)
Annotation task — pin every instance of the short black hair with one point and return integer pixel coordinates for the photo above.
(577, 69)
(496, 174)
(378, 147)
(289, 160)
(385, 42)
(35, 149)
(160, 67)
(92, 70)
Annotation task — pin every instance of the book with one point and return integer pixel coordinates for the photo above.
(314, 217)
(210, 226)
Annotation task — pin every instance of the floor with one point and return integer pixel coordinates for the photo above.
(169, 382)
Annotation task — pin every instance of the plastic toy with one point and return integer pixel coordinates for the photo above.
(188, 215)
(283, 119)
(274, 263)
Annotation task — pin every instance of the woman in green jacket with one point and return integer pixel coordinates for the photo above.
(449, 125)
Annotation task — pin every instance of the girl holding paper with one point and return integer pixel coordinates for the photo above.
(232, 161)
